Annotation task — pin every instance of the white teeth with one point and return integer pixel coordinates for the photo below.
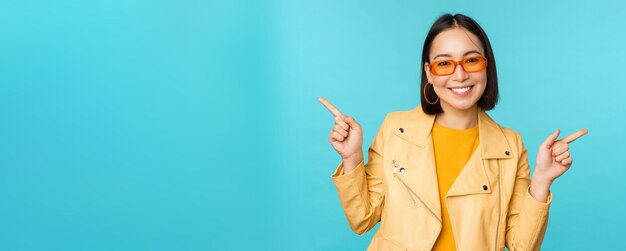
(461, 90)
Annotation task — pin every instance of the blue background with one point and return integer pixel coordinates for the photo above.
(194, 125)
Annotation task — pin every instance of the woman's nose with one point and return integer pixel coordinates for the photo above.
(459, 74)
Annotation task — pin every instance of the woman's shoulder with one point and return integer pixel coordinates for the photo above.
(511, 134)
(513, 137)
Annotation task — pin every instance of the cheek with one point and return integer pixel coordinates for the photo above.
(483, 76)
(439, 84)
(440, 81)
(481, 79)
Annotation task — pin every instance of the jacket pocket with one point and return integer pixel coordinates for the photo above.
(407, 192)
(387, 244)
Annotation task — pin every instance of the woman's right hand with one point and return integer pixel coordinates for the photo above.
(346, 137)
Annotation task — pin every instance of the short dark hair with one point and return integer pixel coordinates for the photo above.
(445, 22)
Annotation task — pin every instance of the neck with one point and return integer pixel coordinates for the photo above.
(458, 119)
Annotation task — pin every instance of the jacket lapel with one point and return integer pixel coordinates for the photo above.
(475, 177)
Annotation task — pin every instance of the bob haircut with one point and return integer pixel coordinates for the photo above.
(448, 21)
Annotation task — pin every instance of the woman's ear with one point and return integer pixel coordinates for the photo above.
(428, 74)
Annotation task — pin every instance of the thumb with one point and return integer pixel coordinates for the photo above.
(550, 140)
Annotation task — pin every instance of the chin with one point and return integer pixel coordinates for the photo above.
(462, 106)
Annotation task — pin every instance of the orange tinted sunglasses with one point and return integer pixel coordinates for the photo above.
(469, 64)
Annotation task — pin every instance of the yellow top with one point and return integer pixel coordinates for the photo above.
(453, 149)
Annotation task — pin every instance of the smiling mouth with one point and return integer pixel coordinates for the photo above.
(461, 90)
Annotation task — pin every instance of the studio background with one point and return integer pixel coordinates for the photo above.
(194, 125)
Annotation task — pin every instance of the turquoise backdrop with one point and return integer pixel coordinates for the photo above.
(194, 125)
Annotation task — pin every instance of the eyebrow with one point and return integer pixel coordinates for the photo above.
(464, 54)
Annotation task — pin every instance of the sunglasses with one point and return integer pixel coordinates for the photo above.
(469, 64)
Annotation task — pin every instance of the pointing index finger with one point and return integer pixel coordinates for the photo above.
(575, 136)
(331, 108)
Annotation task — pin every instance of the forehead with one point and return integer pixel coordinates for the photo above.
(455, 42)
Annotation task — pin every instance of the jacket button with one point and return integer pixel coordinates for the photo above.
(507, 152)
(401, 129)
(402, 169)
(485, 187)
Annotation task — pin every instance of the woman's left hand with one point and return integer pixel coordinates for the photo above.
(553, 158)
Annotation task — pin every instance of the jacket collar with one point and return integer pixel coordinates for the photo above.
(493, 144)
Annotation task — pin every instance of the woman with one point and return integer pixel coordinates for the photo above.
(444, 175)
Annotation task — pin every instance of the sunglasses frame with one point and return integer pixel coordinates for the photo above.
(455, 65)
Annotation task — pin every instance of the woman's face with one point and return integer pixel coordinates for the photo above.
(456, 44)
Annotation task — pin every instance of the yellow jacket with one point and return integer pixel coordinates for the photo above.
(489, 203)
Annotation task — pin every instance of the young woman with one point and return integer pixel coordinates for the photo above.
(444, 175)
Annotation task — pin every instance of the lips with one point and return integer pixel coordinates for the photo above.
(462, 90)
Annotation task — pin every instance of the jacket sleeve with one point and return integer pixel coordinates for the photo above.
(361, 190)
(527, 218)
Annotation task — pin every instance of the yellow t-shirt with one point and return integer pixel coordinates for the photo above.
(453, 148)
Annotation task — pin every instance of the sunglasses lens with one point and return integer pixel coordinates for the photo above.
(474, 64)
(443, 67)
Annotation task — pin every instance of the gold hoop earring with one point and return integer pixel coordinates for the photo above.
(426, 98)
